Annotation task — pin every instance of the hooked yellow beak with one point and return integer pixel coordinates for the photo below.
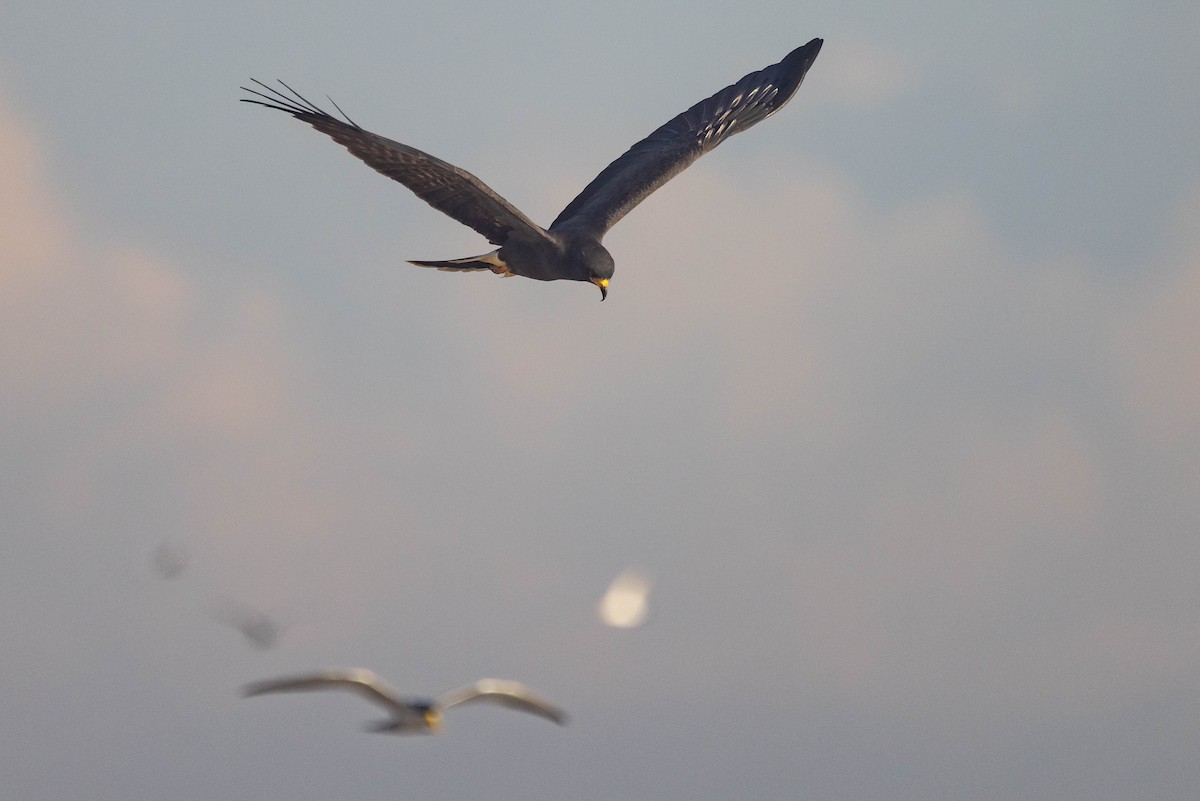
(603, 284)
(433, 719)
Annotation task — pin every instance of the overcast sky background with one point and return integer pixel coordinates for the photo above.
(897, 396)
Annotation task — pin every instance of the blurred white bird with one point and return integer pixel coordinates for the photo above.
(413, 715)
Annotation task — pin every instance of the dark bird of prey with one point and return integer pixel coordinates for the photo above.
(413, 715)
(570, 248)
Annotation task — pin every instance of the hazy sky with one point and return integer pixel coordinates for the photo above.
(897, 397)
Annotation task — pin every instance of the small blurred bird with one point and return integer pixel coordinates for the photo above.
(169, 560)
(413, 715)
(257, 627)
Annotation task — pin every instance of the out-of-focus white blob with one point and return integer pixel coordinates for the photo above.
(624, 605)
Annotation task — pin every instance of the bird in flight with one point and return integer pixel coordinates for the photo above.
(570, 248)
(413, 715)
(257, 627)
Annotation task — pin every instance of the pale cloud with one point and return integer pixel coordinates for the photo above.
(1157, 344)
(117, 355)
(863, 74)
(927, 606)
(30, 234)
(820, 331)
(778, 284)
(86, 323)
(1041, 476)
(73, 319)
(1011, 490)
(236, 387)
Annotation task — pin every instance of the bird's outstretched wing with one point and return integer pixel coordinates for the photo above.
(449, 189)
(363, 682)
(507, 693)
(665, 153)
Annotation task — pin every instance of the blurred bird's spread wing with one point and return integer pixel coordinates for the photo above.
(507, 693)
(669, 150)
(449, 189)
(363, 682)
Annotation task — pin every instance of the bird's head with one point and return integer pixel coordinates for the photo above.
(588, 260)
(600, 269)
(432, 717)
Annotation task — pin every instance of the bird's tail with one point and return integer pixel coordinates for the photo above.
(488, 261)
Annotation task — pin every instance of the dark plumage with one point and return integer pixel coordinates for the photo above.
(570, 248)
